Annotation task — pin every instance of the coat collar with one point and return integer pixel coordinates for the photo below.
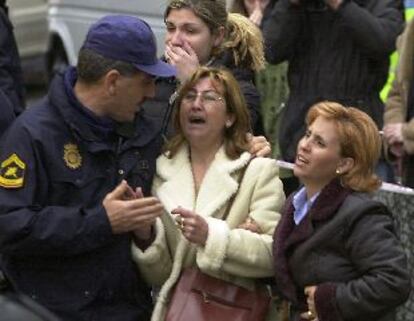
(288, 235)
(61, 97)
(177, 187)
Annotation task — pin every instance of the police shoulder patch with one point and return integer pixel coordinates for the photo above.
(12, 172)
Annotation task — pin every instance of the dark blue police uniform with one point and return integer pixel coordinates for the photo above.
(58, 161)
(11, 76)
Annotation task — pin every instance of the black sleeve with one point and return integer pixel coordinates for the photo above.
(374, 27)
(252, 97)
(10, 70)
(384, 281)
(281, 31)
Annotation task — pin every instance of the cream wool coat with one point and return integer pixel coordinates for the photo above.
(236, 255)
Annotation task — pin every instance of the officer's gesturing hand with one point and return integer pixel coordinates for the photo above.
(128, 211)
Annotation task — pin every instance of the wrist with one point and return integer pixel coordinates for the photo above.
(143, 234)
(143, 239)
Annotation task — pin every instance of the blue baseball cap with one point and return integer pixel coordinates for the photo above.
(128, 39)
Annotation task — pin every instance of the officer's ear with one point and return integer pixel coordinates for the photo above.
(110, 81)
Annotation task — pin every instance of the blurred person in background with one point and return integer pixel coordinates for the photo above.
(399, 111)
(255, 10)
(12, 91)
(202, 33)
(272, 81)
(337, 50)
(336, 253)
(197, 178)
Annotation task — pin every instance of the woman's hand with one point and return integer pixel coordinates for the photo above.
(250, 225)
(193, 226)
(259, 146)
(184, 59)
(333, 4)
(255, 10)
(310, 300)
(393, 133)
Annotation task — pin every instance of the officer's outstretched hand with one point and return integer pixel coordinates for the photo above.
(128, 210)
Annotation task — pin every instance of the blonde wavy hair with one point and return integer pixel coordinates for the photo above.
(244, 39)
(359, 139)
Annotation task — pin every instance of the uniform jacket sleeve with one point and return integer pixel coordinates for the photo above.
(6, 81)
(384, 281)
(29, 225)
(7, 112)
(9, 59)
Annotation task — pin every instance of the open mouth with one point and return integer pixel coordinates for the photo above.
(197, 120)
(300, 159)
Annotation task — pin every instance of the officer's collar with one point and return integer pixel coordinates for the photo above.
(103, 126)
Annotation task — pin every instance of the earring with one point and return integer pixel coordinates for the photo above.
(338, 172)
(228, 124)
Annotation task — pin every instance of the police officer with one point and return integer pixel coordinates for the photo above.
(74, 189)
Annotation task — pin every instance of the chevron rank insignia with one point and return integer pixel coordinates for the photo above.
(12, 172)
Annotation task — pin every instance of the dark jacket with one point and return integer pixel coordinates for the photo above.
(346, 246)
(55, 236)
(11, 78)
(159, 107)
(341, 56)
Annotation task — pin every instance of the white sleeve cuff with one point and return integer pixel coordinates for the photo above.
(212, 255)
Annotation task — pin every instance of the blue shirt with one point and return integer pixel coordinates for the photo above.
(302, 204)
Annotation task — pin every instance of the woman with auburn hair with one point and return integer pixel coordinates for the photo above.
(198, 181)
(336, 254)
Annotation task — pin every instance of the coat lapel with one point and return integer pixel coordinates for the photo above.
(218, 185)
(177, 188)
(288, 235)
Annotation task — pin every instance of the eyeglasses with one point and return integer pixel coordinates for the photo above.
(208, 97)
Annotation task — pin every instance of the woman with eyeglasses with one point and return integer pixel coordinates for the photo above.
(197, 176)
(202, 33)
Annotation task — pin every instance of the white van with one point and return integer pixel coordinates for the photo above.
(69, 21)
(29, 18)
